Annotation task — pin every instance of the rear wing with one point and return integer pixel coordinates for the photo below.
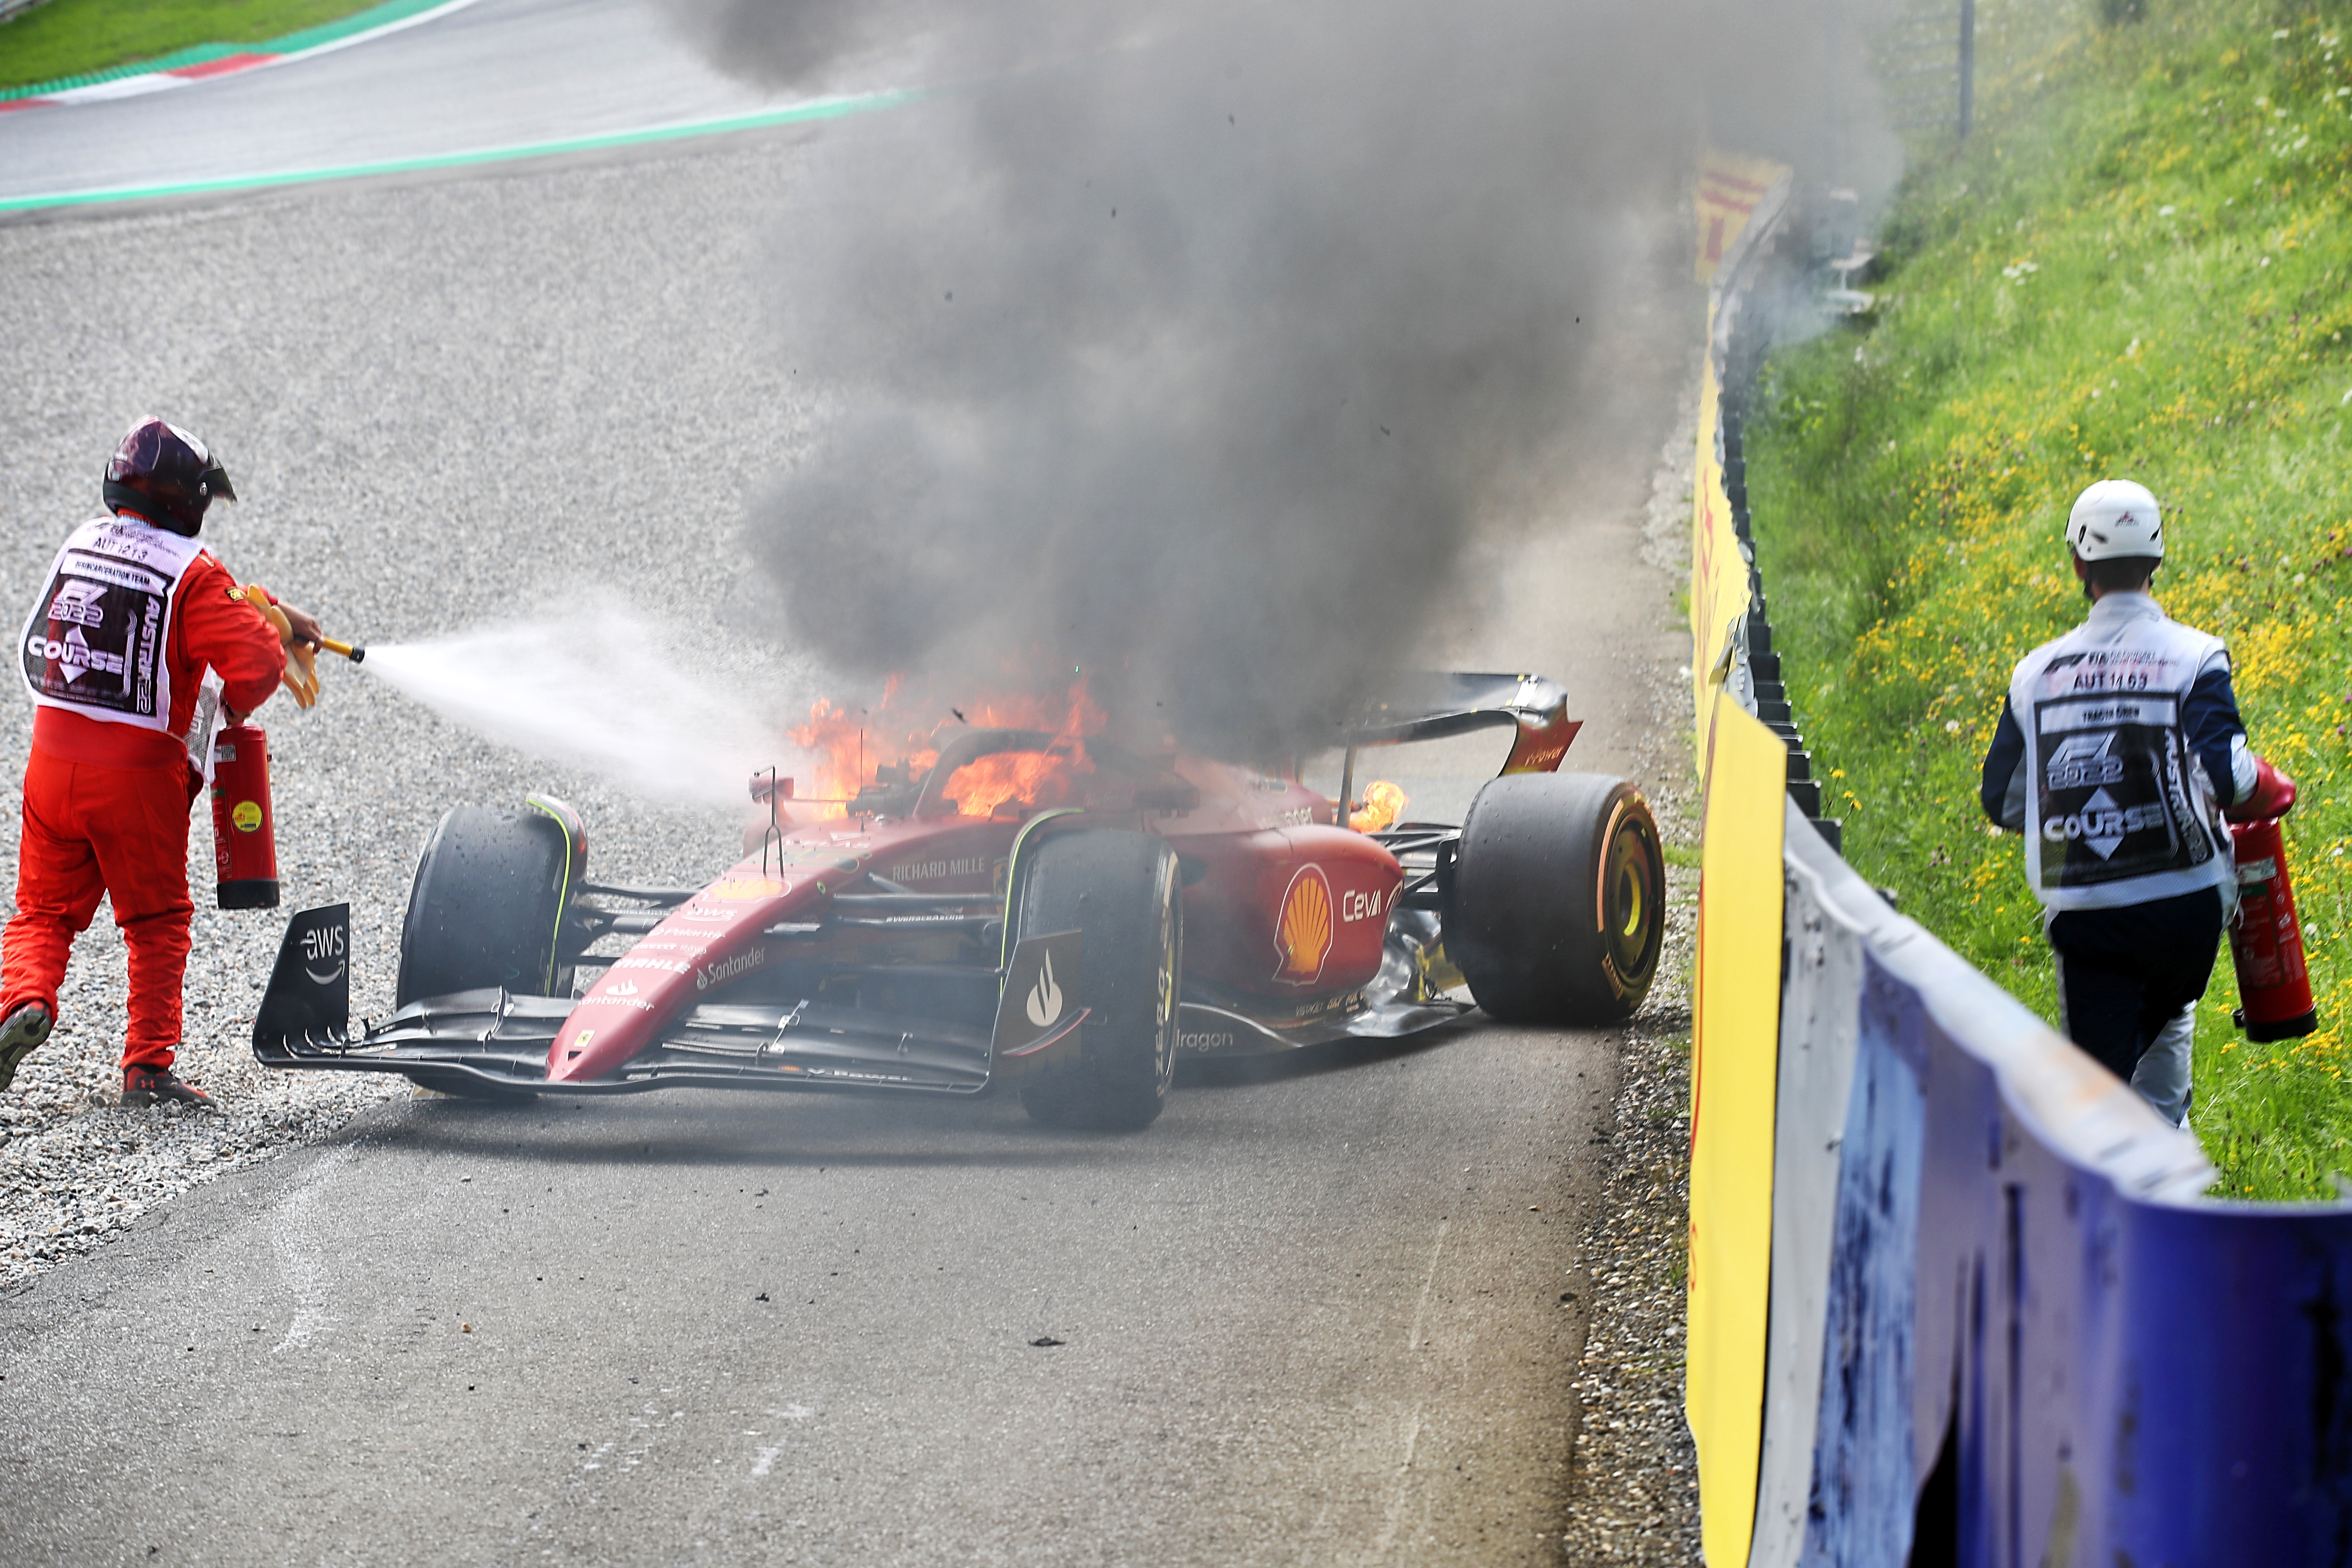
(1432, 705)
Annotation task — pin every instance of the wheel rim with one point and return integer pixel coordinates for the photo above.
(1631, 898)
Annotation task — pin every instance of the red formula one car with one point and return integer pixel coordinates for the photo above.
(1167, 905)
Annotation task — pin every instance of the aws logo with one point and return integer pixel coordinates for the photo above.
(322, 949)
(1302, 931)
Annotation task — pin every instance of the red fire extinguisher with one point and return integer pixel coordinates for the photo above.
(2266, 941)
(244, 835)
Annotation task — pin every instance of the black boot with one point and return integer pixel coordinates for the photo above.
(21, 1034)
(154, 1086)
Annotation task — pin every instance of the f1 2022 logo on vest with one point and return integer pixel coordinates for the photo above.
(77, 603)
(2082, 760)
(2103, 823)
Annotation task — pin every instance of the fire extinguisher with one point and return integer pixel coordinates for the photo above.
(244, 835)
(2266, 941)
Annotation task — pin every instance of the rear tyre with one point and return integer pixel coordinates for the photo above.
(1122, 892)
(484, 911)
(1554, 909)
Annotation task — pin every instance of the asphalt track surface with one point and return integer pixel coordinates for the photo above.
(1314, 1315)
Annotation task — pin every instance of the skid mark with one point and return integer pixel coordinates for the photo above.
(293, 1236)
(1393, 1516)
(1413, 1339)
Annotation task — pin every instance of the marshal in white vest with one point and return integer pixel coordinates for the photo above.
(2120, 811)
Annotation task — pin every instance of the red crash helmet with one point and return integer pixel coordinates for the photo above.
(166, 475)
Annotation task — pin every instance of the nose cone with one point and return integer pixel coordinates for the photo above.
(715, 937)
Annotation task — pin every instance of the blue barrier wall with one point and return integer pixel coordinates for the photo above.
(2036, 1341)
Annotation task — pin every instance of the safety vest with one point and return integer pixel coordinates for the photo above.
(2119, 810)
(95, 642)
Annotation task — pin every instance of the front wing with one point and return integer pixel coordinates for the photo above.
(499, 1041)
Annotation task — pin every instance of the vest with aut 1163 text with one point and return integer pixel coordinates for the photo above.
(2118, 808)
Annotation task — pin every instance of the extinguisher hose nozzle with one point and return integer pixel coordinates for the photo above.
(355, 652)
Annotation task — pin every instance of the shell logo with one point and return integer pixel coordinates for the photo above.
(1302, 932)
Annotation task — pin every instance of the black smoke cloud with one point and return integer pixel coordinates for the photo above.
(1186, 343)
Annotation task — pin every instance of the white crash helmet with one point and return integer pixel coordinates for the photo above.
(2115, 516)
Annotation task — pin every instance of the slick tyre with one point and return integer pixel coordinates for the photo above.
(484, 911)
(1555, 907)
(1123, 894)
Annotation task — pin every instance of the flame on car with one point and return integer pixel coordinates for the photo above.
(852, 746)
(1383, 803)
(857, 747)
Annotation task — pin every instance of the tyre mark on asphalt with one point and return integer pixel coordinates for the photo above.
(1416, 1338)
(290, 1232)
(1412, 1339)
(1393, 1516)
(763, 1459)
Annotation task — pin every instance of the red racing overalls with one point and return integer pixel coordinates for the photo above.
(115, 652)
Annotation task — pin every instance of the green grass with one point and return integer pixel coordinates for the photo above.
(69, 38)
(2139, 268)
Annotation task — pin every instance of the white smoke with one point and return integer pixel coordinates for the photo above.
(602, 689)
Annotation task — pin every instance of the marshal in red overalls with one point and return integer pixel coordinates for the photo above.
(131, 615)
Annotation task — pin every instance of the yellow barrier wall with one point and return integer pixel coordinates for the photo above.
(1729, 186)
(1734, 1050)
(1735, 1011)
(1719, 585)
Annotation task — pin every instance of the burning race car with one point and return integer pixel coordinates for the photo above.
(1021, 908)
